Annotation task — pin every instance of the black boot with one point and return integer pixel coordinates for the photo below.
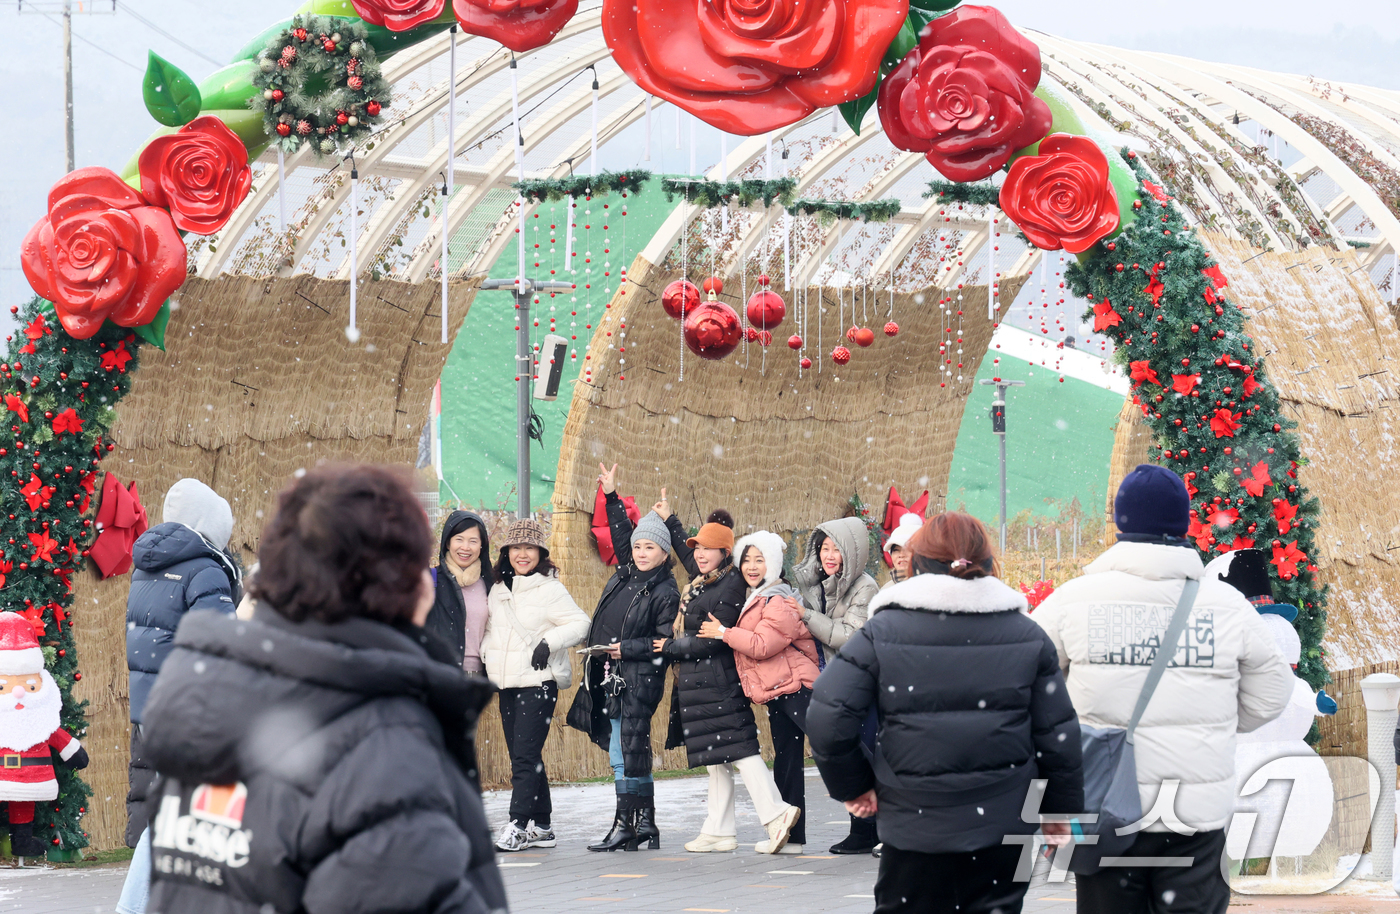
(23, 843)
(647, 832)
(622, 834)
(861, 840)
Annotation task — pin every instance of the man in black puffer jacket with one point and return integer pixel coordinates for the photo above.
(316, 758)
(180, 566)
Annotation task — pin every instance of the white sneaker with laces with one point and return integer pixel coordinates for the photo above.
(512, 838)
(762, 848)
(535, 836)
(780, 828)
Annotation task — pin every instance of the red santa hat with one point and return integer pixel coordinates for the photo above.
(19, 649)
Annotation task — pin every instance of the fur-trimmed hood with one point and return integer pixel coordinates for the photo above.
(853, 539)
(945, 593)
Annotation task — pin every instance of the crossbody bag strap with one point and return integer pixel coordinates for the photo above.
(530, 638)
(1166, 651)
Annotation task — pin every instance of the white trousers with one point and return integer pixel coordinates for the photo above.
(763, 790)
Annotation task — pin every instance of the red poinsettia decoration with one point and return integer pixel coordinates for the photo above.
(1223, 517)
(1154, 288)
(753, 66)
(102, 252)
(43, 546)
(121, 519)
(1258, 478)
(36, 494)
(1225, 423)
(1037, 592)
(1287, 559)
(67, 421)
(521, 25)
(1241, 542)
(1062, 197)
(34, 615)
(1185, 383)
(1202, 533)
(398, 15)
(116, 359)
(34, 332)
(1105, 316)
(17, 406)
(200, 173)
(5, 568)
(1156, 191)
(964, 96)
(1249, 385)
(1142, 372)
(1285, 514)
(1216, 277)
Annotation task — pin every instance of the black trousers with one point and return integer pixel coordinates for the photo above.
(978, 882)
(787, 719)
(525, 717)
(1196, 889)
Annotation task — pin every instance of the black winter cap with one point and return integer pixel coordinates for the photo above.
(1152, 500)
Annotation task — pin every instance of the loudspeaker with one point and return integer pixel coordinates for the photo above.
(553, 352)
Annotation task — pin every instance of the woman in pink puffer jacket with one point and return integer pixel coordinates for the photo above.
(777, 662)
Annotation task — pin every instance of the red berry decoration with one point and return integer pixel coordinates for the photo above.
(680, 294)
(712, 331)
(864, 337)
(714, 285)
(840, 355)
(766, 309)
(891, 329)
(794, 342)
(806, 362)
(372, 108)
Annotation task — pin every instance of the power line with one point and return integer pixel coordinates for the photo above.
(160, 31)
(94, 45)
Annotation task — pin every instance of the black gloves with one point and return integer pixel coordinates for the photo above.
(79, 759)
(540, 660)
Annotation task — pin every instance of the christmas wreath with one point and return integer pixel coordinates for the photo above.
(320, 85)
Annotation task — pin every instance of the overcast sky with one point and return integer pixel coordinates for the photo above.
(1355, 41)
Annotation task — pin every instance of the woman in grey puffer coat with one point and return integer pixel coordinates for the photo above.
(837, 592)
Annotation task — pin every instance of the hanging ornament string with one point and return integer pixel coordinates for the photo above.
(352, 332)
(520, 174)
(646, 154)
(724, 177)
(593, 142)
(787, 232)
(449, 184)
(282, 189)
(685, 256)
(991, 262)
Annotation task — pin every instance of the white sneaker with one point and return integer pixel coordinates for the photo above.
(780, 828)
(707, 844)
(762, 848)
(535, 836)
(512, 838)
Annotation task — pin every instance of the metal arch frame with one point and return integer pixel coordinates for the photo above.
(497, 167)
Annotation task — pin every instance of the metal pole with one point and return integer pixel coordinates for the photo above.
(999, 429)
(1001, 444)
(524, 368)
(68, 83)
(449, 183)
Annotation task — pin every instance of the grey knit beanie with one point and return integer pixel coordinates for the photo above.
(653, 528)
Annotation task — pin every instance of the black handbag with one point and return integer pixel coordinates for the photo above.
(612, 687)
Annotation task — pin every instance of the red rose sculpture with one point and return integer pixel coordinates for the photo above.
(200, 173)
(1062, 198)
(963, 96)
(102, 252)
(521, 25)
(750, 66)
(398, 15)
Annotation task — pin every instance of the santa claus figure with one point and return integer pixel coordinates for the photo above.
(29, 732)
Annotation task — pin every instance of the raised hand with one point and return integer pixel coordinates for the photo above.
(662, 507)
(608, 478)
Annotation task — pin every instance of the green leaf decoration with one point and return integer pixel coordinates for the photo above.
(154, 332)
(854, 112)
(936, 7)
(171, 96)
(905, 41)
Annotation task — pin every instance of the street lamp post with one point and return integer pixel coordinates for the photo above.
(999, 429)
(523, 290)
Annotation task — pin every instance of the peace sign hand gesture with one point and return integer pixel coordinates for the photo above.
(608, 478)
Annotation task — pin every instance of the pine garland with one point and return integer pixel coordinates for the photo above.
(711, 194)
(1203, 388)
(58, 395)
(867, 210)
(978, 194)
(578, 186)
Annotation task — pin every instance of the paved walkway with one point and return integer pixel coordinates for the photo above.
(670, 881)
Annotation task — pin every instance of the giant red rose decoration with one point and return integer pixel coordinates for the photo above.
(398, 15)
(963, 96)
(102, 252)
(521, 25)
(200, 173)
(750, 66)
(1062, 197)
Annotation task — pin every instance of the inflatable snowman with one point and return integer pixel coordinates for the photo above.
(1283, 794)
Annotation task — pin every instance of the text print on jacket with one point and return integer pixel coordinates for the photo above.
(1227, 675)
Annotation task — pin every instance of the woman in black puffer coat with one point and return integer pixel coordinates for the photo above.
(638, 605)
(972, 709)
(316, 758)
(710, 714)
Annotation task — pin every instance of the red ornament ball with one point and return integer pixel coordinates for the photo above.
(794, 342)
(680, 294)
(713, 284)
(278, 95)
(329, 46)
(341, 117)
(806, 362)
(864, 337)
(851, 334)
(355, 83)
(840, 355)
(300, 33)
(284, 129)
(763, 279)
(765, 337)
(891, 329)
(751, 335)
(712, 331)
(372, 108)
(766, 309)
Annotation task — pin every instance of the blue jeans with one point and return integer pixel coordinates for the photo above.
(642, 786)
(136, 890)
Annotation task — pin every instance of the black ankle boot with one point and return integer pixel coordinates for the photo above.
(23, 843)
(647, 832)
(622, 834)
(861, 840)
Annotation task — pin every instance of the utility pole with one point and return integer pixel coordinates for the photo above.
(999, 429)
(68, 82)
(523, 290)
